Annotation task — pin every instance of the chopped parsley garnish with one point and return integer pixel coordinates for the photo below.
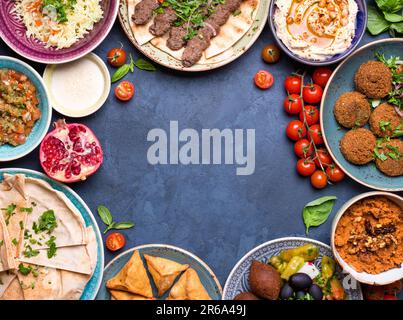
(52, 247)
(24, 270)
(1, 242)
(9, 212)
(383, 125)
(21, 225)
(29, 210)
(237, 13)
(29, 252)
(60, 7)
(393, 63)
(46, 222)
(14, 242)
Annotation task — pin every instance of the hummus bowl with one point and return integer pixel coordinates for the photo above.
(381, 278)
(311, 33)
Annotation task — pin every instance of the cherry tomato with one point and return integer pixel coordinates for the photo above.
(115, 241)
(264, 79)
(311, 115)
(305, 167)
(293, 84)
(334, 173)
(124, 91)
(321, 76)
(117, 57)
(271, 53)
(389, 297)
(293, 104)
(303, 148)
(312, 93)
(319, 179)
(324, 157)
(315, 133)
(295, 130)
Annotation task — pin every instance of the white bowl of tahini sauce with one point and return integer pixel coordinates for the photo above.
(79, 88)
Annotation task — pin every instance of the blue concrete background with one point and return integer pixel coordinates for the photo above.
(207, 210)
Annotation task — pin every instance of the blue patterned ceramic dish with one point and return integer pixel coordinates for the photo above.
(237, 281)
(207, 277)
(8, 152)
(361, 25)
(342, 81)
(93, 285)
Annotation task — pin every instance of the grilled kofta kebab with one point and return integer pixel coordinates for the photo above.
(144, 10)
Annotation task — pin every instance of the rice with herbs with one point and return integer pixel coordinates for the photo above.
(59, 23)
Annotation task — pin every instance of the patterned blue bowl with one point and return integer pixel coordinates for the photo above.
(361, 25)
(341, 81)
(8, 152)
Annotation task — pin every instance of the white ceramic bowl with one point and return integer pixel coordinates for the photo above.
(382, 278)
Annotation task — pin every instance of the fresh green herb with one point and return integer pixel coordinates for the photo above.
(29, 252)
(52, 247)
(14, 242)
(317, 212)
(123, 70)
(29, 210)
(46, 222)
(9, 212)
(107, 218)
(60, 7)
(393, 63)
(145, 65)
(1, 242)
(383, 125)
(35, 273)
(21, 225)
(24, 270)
(237, 12)
(387, 15)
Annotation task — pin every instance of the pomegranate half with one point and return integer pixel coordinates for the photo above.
(70, 153)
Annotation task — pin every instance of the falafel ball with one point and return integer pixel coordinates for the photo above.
(384, 120)
(374, 79)
(393, 165)
(357, 146)
(352, 110)
(246, 296)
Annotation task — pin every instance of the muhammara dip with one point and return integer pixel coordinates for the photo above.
(316, 29)
(369, 236)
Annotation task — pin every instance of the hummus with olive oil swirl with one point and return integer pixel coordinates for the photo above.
(316, 29)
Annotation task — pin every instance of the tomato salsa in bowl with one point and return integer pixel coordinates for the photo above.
(25, 113)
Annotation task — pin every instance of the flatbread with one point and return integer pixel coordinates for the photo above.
(13, 291)
(122, 295)
(189, 287)
(7, 261)
(141, 32)
(235, 28)
(132, 278)
(6, 277)
(164, 272)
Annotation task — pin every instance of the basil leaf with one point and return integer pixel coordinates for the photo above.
(398, 27)
(120, 73)
(393, 17)
(105, 215)
(145, 65)
(123, 225)
(389, 5)
(317, 211)
(376, 21)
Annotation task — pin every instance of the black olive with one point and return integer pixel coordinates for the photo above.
(286, 292)
(316, 292)
(300, 281)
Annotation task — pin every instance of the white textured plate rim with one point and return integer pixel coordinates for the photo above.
(79, 199)
(47, 77)
(34, 145)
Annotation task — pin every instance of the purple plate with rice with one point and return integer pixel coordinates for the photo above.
(13, 31)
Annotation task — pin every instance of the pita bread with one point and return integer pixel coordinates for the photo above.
(6, 250)
(132, 278)
(6, 277)
(189, 287)
(164, 272)
(122, 295)
(14, 291)
(235, 28)
(140, 32)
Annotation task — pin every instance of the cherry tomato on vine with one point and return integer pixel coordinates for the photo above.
(305, 167)
(264, 79)
(312, 93)
(293, 84)
(295, 130)
(117, 57)
(319, 179)
(321, 76)
(303, 148)
(324, 157)
(271, 53)
(315, 134)
(334, 173)
(311, 115)
(292, 104)
(115, 241)
(124, 91)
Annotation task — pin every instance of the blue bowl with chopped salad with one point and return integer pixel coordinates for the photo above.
(25, 113)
